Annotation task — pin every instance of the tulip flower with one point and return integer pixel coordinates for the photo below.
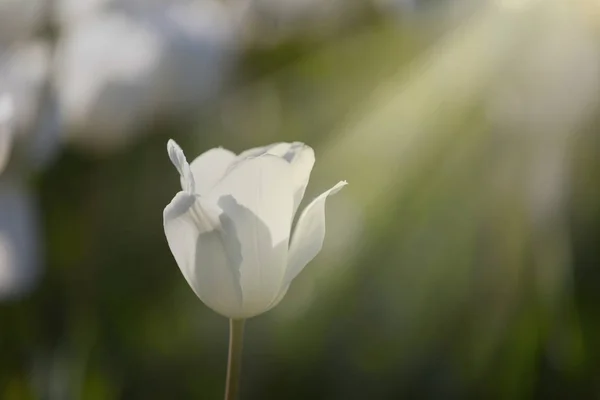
(229, 229)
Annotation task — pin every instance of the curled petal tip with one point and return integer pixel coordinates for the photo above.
(175, 154)
(338, 186)
(180, 162)
(173, 147)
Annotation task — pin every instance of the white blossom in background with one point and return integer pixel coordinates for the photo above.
(116, 66)
(24, 74)
(103, 72)
(67, 13)
(20, 245)
(120, 71)
(24, 70)
(230, 228)
(20, 19)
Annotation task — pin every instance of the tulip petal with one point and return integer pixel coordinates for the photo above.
(276, 149)
(302, 158)
(309, 234)
(209, 167)
(195, 237)
(180, 162)
(279, 297)
(299, 155)
(256, 197)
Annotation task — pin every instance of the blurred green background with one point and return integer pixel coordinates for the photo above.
(462, 261)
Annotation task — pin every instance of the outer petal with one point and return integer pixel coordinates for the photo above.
(256, 197)
(194, 234)
(180, 162)
(299, 155)
(276, 149)
(302, 158)
(309, 234)
(280, 296)
(209, 167)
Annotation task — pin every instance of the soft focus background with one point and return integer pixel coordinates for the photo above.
(462, 261)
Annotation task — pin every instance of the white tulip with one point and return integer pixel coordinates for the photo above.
(229, 229)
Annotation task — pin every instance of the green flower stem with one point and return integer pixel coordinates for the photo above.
(234, 362)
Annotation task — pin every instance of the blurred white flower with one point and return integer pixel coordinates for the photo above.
(104, 75)
(229, 228)
(20, 19)
(71, 12)
(19, 241)
(24, 71)
(120, 72)
(24, 74)
(6, 129)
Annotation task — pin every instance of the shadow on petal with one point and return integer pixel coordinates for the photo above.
(259, 263)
